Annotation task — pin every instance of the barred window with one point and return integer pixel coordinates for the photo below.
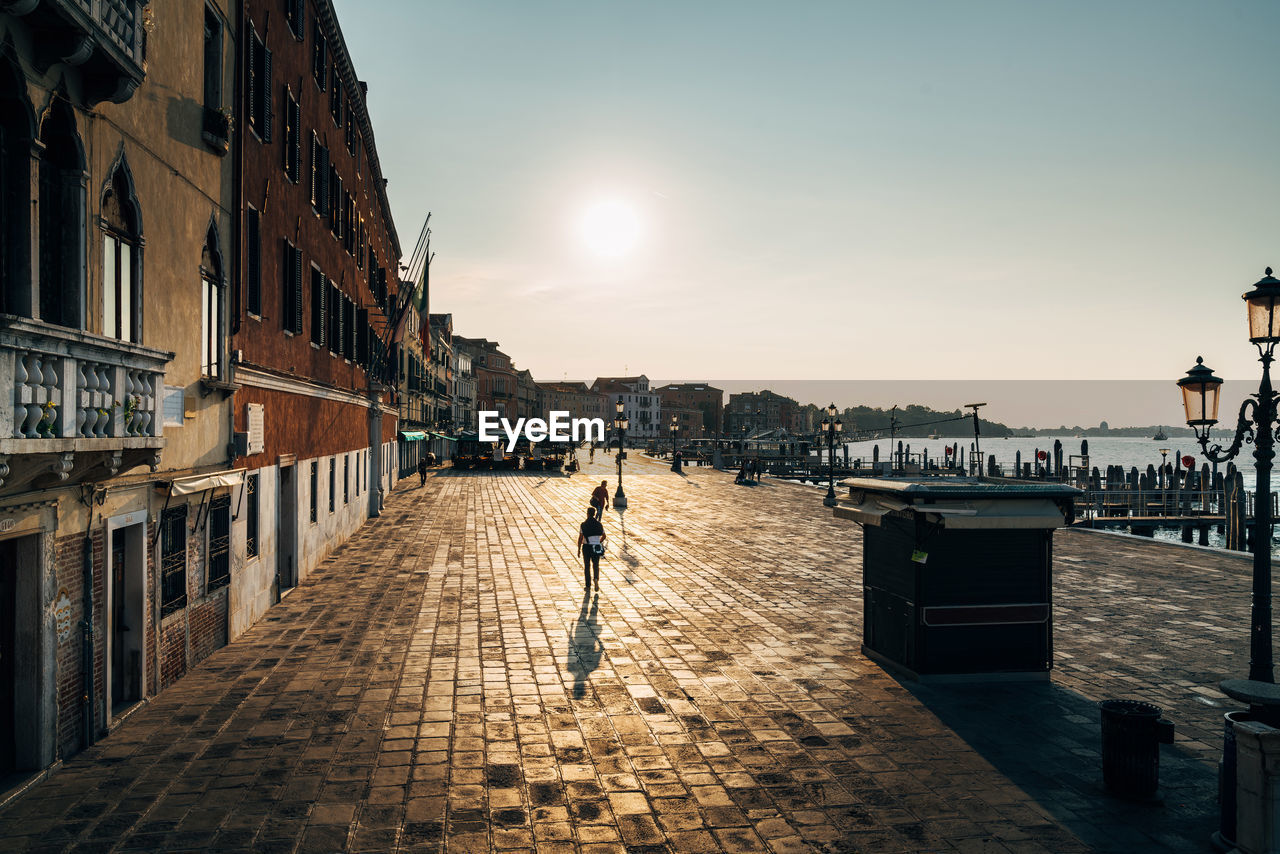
(219, 543)
(173, 560)
(251, 521)
(346, 478)
(333, 477)
(315, 488)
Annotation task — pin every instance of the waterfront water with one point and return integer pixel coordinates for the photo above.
(1104, 451)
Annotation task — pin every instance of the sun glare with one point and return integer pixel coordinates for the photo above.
(609, 229)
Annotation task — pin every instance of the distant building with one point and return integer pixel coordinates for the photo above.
(464, 391)
(702, 397)
(642, 407)
(495, 375)
(577, 399)
(758, 411)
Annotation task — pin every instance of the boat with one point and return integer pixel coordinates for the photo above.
(935, 435)
(1160, 436)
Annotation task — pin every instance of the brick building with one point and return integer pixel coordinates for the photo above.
(577, 399)
(706, 399)
(495, 377)
(313, 301)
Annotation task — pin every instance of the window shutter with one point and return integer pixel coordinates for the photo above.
(286, 280)
(323, 179)
(251, 72)
(297, 291)
(362, 337)
(253, 264)
(266, 95)
(335, 342)
(324, 305)
(315, 170)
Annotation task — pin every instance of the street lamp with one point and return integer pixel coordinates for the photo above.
(1256, 425)
(1164, 456)
(675, 461)
(620, 422)
(832, 426)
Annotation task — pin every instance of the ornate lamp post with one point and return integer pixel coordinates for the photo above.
(1164, 457)
(675, 461)
(1257, 426)
(620, 422)
(831, 425)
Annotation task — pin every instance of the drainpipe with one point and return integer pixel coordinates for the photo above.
(86, 624)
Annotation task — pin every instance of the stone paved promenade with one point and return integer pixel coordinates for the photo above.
(443, 683)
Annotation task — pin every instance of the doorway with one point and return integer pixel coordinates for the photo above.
(286, 531)
(24, 744)
(126, 602)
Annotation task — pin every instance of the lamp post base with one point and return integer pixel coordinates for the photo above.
(619, 499)
(830, 500)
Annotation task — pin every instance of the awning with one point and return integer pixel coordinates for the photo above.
(412, 435)
(199, 483)
(442, 436)
(1025, 513)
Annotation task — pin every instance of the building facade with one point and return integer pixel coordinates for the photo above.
(495, 377)
(757, 411)
(464, 392)
(312, 302)
(706, 399)
(115, 481)
(642, 407)
(577, 399)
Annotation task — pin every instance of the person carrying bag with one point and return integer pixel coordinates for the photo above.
(591, 545)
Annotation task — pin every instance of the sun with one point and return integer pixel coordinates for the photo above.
(609, 229)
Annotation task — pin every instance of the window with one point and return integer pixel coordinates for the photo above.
(211, 326)
(358, 461)
(335, 98)
(251, 520)
(315, 487)
(350, 134)
(349, 328)
(291, 288)
(335, 202)
(320, 170)
(319, 290)
(292, 138)
(258, 86)
(335, 319)
(293, 13)
(346, 478)
(362, 337)
(212, 60)
(173, 560)
(333, 476)
(219, 543)
(319, 58)
(253, 263)
(120, 268)
(348, 223)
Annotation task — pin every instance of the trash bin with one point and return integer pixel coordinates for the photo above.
(1227, 780)
(1132, 733)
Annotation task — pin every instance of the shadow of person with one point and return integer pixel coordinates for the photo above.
(585, 647)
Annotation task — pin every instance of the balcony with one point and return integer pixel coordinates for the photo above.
(83, 408)
(103, 38)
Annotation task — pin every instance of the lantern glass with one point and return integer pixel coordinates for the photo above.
(839, 426)
(619, 406)
(831, 411)
(1264, 319)
(1201, 402)
(826, 425)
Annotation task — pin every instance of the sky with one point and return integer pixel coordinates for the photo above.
(836, 191)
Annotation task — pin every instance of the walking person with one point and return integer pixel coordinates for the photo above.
(593, 452)
(591, 540)
(422, 472)
(600, 498)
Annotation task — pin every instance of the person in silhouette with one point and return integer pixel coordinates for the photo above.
(591, 540)
(600, 498)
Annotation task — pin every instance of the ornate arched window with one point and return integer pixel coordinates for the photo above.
(62, 218)
(211, 307)
(16, 125)
(121, 258)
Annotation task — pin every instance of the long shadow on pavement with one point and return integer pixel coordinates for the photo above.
(1047, 740)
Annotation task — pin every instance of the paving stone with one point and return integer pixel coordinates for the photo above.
(443, 679)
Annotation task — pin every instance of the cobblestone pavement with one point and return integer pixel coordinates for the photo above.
(443, 683)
